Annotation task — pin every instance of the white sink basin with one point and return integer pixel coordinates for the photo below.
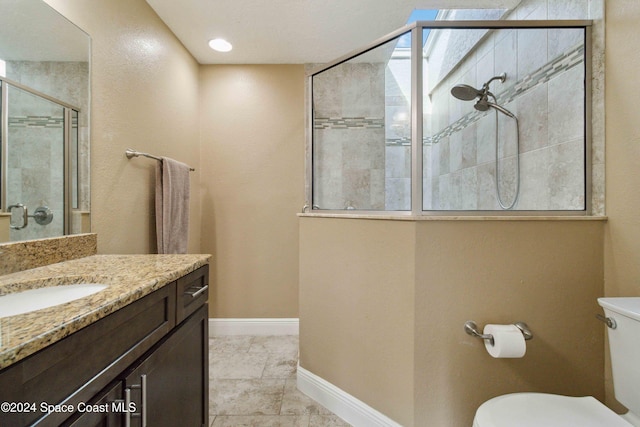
(39, 298)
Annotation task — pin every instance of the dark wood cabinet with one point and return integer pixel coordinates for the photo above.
(146, 362)
(168, 385)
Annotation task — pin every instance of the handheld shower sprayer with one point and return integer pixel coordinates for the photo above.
(483, 104)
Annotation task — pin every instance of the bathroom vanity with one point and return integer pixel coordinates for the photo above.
(134, 354)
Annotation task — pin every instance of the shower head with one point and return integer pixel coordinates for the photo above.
(466, 92)
(469, 93)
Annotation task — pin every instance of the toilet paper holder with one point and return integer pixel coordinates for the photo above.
(471, 328)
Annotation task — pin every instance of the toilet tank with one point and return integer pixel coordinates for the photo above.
(624, 345)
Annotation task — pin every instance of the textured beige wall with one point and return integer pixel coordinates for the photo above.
(144, 95)
(382, 305)
(357, 309)
(249, 179)
(622, 234)
(622, 266)
(5, 220)
(546, 273)
(252, 157)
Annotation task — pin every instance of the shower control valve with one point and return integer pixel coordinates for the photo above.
(42, 215)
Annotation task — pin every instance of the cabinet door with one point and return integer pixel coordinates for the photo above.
(104, 411)
(170, 385)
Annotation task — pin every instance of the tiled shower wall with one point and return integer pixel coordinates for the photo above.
(398, 132)
(362, 133)
(544, 89)
(349, 153)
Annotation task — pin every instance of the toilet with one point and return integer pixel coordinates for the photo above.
(551, 410)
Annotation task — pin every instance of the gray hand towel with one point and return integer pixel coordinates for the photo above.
(172, 206)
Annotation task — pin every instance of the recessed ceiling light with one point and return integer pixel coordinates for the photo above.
(221, 45)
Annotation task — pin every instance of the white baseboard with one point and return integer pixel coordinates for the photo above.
(219, 327)
(341, 403)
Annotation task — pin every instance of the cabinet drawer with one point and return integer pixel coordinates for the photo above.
(192, 291)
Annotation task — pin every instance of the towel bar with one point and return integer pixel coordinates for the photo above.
(133, 153)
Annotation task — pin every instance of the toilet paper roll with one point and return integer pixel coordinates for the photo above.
(508, 341)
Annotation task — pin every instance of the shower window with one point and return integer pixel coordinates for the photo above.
(505, 110)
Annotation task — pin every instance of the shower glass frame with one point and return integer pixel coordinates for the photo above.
(417, 103)
(70, 137)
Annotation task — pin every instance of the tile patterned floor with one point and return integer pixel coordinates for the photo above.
(252, 383)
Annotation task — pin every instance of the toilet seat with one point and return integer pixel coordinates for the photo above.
(545, 410)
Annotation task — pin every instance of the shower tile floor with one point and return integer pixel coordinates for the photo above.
(252, 383)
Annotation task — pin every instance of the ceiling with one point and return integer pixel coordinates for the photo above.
(292, 31)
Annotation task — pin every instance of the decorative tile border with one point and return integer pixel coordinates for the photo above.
(393, 142)
(36, 121)
(562, 63)
(348, 123)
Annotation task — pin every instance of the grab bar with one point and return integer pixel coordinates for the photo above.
(130, 153)
(25, 216)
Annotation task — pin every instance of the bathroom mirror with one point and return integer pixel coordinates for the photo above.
(44, 128)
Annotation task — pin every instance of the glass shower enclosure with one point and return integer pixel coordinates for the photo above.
(39, 165)
(459, 117)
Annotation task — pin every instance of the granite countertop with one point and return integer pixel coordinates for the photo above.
(129, 277)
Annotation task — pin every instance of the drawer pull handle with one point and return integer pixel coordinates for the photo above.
(143, 410)
(127, 402)
(196, 294)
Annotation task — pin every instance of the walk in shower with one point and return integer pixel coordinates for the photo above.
(455, 116)
(39, 170)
